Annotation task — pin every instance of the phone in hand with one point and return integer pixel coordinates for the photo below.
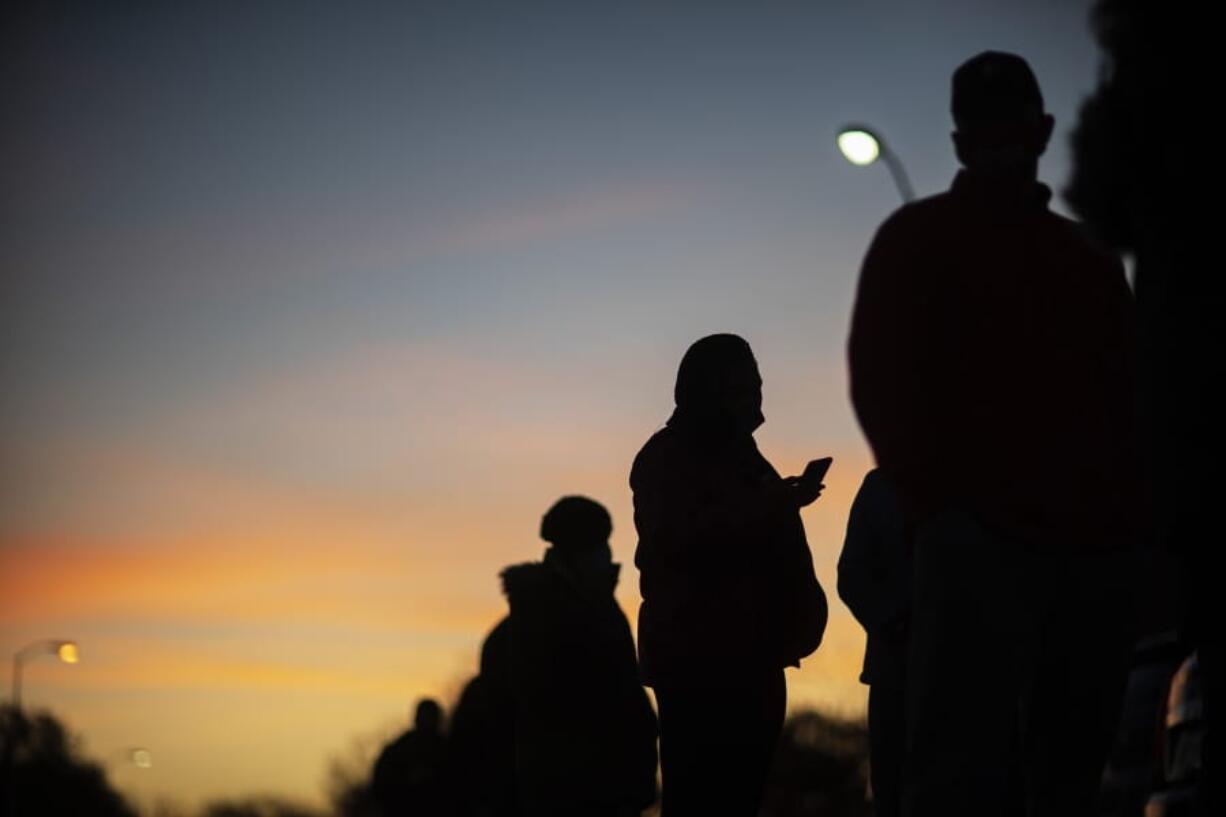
(816, 470)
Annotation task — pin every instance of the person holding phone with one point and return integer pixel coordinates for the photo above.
(729, 593)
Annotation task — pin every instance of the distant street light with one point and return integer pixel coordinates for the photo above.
(862, 146)
(66, 651)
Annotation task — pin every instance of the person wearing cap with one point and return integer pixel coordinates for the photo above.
(584, 732)
(991, 361)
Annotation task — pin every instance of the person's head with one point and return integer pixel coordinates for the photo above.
(428, 716)
(578, 528)
(719, 389)
(1001, 128)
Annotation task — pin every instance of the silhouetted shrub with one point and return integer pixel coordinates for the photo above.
(820, 768)
(258, 807)
(42, 771)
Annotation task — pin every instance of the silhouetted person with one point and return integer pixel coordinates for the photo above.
(992, 361)
(875, 573)
(1135, 183)
(584, 730)
(729, 593)
(483, 735)
(409, 778)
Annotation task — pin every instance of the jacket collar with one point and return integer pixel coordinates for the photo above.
(984, 191)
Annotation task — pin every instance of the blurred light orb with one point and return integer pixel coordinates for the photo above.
(142, 758)
(68, 652)
(860, 147)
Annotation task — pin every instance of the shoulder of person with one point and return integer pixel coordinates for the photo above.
(871, 480)
(918, 215)
(909, 230)
(658, 457)
(522, 581)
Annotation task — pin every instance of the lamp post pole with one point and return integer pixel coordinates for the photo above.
(66, 651)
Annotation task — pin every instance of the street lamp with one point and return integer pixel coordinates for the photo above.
(862, 146)
(66, 651)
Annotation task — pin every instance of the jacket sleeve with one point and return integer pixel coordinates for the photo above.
(874, 571)
(809, 610)
(887, 354)
(680, 514)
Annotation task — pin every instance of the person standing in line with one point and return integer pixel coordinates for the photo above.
(582, 730)
(729, 593)
(992, 370)
(409, 776)
(875, 572)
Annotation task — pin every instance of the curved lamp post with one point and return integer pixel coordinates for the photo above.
(66, 651)
(862, 146)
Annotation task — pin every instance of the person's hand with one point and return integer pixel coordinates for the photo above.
(804, 489)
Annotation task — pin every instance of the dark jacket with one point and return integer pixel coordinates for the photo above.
(875, 576)
(991, 358)
(482, 735)
(409, 777)
(584, 729)
(725, 571)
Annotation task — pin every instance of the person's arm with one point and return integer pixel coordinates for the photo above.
(887, 354)
(682, 513)
(809, 610)
(874, 568)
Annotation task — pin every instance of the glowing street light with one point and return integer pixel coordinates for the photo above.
(862, 146)
(66, 651)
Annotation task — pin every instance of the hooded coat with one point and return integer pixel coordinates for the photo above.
(584, 730)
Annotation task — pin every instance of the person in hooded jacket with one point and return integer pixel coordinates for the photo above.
(584, 732)
(729, 593)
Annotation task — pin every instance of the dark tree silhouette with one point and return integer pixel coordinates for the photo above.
(44, 772)
(820, 768)
(1139, 186)
(258, 807)
(348, 782)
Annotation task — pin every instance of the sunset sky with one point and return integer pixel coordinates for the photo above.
(311, 310)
